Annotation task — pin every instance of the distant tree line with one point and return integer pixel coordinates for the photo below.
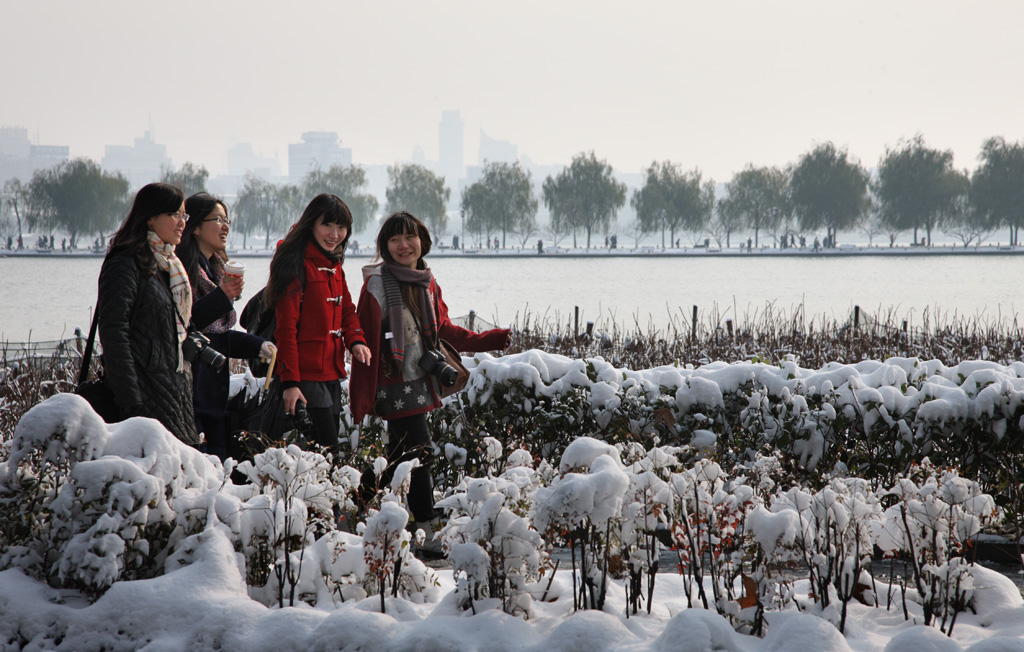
(914, 189)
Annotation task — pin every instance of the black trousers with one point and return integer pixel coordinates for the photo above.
(215, 429)
(325, 427)
(409, 439)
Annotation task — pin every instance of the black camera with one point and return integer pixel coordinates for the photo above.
(196, 348)
(300, 418)
(433, 362)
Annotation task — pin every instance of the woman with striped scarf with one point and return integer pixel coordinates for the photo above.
(403, 313)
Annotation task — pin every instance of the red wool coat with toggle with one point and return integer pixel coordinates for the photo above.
(316, 324)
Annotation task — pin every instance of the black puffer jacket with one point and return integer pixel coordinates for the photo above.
(140, 347)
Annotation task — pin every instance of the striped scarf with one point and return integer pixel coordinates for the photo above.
(181, 290)
(393, 276)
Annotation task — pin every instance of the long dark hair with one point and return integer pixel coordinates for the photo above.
(286, 265)
(131, 237)
(198, 206)
(401, 223)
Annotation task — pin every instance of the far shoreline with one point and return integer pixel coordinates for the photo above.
(646, 251)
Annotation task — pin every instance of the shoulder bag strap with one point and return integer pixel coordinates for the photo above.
(83, 373)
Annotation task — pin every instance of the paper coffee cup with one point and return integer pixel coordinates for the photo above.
(234, 268)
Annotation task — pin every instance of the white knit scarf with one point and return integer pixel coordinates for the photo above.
(181, 290)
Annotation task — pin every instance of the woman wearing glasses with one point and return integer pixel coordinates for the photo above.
(144, 312)
(203, 252)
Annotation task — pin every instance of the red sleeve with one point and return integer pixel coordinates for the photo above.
(362, 385)
(286, 332)
(350, 324)
(464, 339)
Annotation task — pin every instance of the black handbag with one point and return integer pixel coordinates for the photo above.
(259, 421)
(97, 392)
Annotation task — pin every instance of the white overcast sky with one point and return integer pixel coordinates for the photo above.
(715, 84)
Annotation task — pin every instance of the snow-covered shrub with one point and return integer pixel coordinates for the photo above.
(708, 529)
(294, 504)
(646, 509)
(930, 522)
(834, 538)
(386, 551)
(102, 509)
(484, 523)
(48, 442)
(584, 502)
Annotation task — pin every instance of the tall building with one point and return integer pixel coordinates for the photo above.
(19, 158)
(493, 150)
(318, 149)
(450, 147)
(140, 163)
(242, 159)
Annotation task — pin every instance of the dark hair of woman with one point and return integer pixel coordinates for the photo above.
(286, 265)
(401, 223)
(152, 199)
(198, 206)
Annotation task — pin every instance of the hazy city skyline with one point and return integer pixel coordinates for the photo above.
(714, 87)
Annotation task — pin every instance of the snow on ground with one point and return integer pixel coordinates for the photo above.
(201, 600)
(204, 606)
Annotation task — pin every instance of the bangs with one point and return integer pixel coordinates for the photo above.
(329, 209)
(401, 225)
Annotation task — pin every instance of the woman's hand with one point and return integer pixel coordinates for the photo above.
(267, 351)
(292, 395)
(232, 285)
(361, 352)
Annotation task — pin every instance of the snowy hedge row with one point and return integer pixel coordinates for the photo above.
(874, 418)
(90, 504)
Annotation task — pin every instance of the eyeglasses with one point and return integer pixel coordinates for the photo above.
(223, 221)
(180, 216)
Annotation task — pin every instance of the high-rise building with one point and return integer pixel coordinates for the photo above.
(19, 158)
(318, 149)
(242, 159)
(493, 150)
(450, 148)
(140, 163)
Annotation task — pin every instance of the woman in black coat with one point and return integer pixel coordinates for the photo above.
(144, 312)
(203, 253)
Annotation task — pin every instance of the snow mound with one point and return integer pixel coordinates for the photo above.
(993, 592)
(592, 631)
(697, 630)
(805, 632)
(921, 638)
(998, 644)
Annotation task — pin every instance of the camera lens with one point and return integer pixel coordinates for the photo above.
(448, 375)
(212, 359)
(196, 348)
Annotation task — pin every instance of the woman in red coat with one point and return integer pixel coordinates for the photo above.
(316, 319)
(403, 315)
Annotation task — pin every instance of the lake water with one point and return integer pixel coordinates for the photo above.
(47, 298)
